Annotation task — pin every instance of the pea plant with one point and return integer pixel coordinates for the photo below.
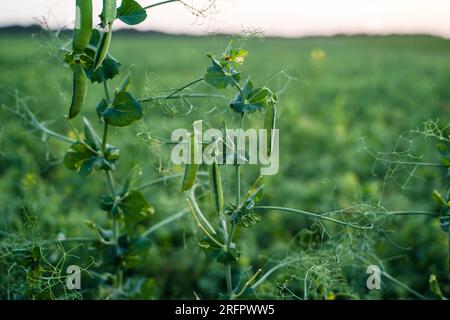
(443, 202)
(123, 243)
(403, 159)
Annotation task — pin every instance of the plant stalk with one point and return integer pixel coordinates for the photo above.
(160, 3)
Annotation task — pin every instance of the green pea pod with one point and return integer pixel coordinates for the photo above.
(102, 49)
(215, 181)
(109, 12)
(79, 90)
(191, 169)
(269, 125)
(83, 25)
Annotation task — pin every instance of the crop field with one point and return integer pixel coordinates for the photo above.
(359, 122)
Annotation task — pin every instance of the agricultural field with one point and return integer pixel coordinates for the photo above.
(358, 117)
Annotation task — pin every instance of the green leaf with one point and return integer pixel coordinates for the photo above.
(132, 206)
(251, 99)
(101, 107)
(221, 76)
(234, 56)
(244, 216)
(109, 68)
(217, 253)
(124, 111)
(80, 158)
(85, 156)
(135, 207)
(131, 12)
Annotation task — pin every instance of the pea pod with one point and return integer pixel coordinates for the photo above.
(215, 181)
(269, 125)
(83, 25)
(102, 49)
(190, 173)
(109, 12)
(79, 91)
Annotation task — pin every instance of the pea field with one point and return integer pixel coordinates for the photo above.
(364, 124)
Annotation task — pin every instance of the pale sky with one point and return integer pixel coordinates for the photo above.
(273, 17)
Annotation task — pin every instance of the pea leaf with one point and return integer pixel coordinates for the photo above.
(131, 12)
(220, 75)
(124, 110)
(109, 68)
(80, 158)
(244, 215)
(218, 253)
(234, 56)
(101, 107)
(84, 156)
(251, 99)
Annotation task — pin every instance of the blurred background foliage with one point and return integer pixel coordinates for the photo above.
(341, 97)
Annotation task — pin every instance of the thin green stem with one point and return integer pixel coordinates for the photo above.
(165, 179)
(230, 236)
(164, 222)
(179, 96)
(311, 215)
(407, 213)
(34, 122)
(110, 181)
(160, 4)
(272, 270)
(105, 137)
(107, 94)
(236, 84)
(159, 180)
(229, 280)
(184, 87)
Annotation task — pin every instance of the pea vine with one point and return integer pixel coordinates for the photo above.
(125, 244)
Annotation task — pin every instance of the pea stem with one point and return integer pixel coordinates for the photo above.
(230, 236)
(107, 93)
(179, 96)
(160, 3)
(184, 87)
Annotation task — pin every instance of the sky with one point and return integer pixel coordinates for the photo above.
(289, 18)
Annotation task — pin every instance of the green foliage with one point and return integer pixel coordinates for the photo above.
(131, 12)
(85, 155)
(252, 99)
(323, 117)
(132, 206)
(218, 253)
(125, 110)
(221, 74)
